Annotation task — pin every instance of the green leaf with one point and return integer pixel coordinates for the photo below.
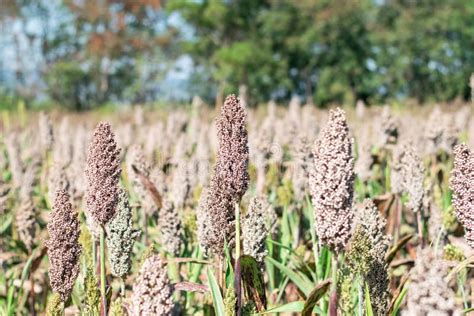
(6, 222)
(293, 307)
(252, 280)
(301, 281)
(26, 268)
(216, 293)
(399, 301)
(398, 296)
(314, 297)
(196, 268)
(229, 272)
(368, 303)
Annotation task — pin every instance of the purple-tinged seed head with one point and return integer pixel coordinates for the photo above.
(63, 245)
(103, 174)
(462, 184)
(331, 182)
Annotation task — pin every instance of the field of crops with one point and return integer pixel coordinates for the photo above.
(279, 209)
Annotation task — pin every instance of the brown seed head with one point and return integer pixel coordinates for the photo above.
(63, 245)
(26, 223)
(171, 228)
(412, 176)
(429, 293)
(230, 178)
(152, 291)
(462, 184)
(331, 182)
(103, 174)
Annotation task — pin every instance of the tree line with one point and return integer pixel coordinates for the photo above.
(86, 53)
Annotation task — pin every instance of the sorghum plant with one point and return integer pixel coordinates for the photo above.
(462, 184)
(63, 245)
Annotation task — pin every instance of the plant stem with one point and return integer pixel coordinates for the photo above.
(237, 258)
(102, 269)
(122, 287)
(32, 295)
(420, 227)
(94, 253)
(237, 232)
(313, 237)
(333, 297)
(361, 296)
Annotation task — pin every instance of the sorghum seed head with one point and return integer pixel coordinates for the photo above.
(15, 163)
(254, 230)
(26, 223)
(366, 255)
(171, 228)
(331, 182)
(121, 237)
(181, 185)
(202, 219)
(55, 305)
(230, 179)
(45, 131)
(303, 158)
(152, 291)
(91, 292)
(29, 180)
(407, 175)
(57, 179)
(412, 175)
(63, 245)
(233, 152)
(103, 174)
(462, 184)
(372, 222)
(388, 128)
(429, 291)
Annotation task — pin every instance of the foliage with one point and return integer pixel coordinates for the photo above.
(83, 54)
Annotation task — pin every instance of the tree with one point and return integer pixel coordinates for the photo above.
(424, 48)
(227, 41)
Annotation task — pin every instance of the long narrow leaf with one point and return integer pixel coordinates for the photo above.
(368, 303)
(216, 293)
(299, 280)
(393, 252)
(293, 307)
(398, 295)
(399, 301)
(252, 279)
(314, 297)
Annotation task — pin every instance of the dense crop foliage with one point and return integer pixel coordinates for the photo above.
(238, 211)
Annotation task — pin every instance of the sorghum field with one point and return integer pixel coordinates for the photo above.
(280, 209)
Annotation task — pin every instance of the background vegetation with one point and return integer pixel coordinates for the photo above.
(81, 54)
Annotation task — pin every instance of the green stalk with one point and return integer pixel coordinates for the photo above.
(94, 253)
(237, 231)
(313, 238)
(173, 269)
(102, 269)
(361, 296)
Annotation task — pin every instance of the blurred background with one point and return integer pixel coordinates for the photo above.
(82, 54)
